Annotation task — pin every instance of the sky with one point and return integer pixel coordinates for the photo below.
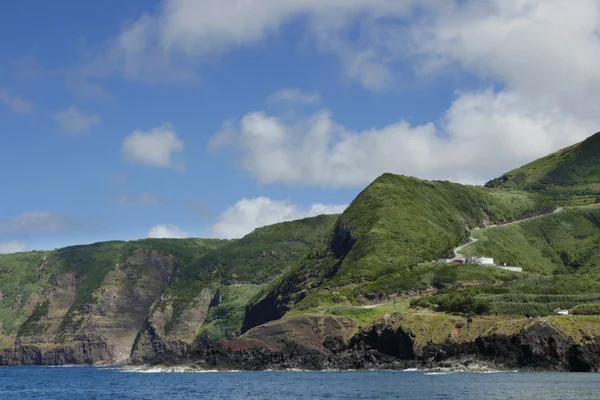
(204, 118)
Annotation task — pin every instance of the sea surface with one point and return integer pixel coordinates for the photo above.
(105, 383)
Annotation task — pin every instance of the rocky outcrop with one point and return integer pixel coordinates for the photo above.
(76, 352)
(541, 347)
(318, 342)
(342, 241)
(170, 329)
(306, 342)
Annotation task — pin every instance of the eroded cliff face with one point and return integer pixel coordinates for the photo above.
(68, 326)
(170, 329)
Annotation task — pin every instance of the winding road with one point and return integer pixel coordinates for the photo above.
(456, 250)
(472, 240)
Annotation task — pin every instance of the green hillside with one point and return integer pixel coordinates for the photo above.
(239, 269)
(393, 225)
(571, 175)
(568, 241)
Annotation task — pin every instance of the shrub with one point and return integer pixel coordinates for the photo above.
(586, 309)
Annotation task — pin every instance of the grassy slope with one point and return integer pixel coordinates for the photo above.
(401, 221)
(564, 247)
(570, 176)
(398, 222)
(562, 242)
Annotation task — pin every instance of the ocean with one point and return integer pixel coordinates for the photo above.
(109, 383)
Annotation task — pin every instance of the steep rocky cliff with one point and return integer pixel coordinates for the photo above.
(88, 304)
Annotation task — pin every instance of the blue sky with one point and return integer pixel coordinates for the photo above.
(123, 120)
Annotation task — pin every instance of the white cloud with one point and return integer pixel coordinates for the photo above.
(249, 214)
(542, 55)
(168, 45)
(139, 199)
(167, 231)
(74, 121)
(289, 95)
(547, 47)
(13, 247)
(38, 222)
(15, 103)
(482, 135)
(531, 44)
(154, 148)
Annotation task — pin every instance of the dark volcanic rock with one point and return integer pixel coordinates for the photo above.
(541, 347)
(324, 343)
(342, 241)
(75, 353)
(386, 340)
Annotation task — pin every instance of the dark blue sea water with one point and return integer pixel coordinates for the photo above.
(93, 383)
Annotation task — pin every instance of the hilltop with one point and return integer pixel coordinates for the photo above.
(571, 176)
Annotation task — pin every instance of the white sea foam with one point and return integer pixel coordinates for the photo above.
(438, 373)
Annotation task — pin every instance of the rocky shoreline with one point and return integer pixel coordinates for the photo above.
(334, 343)
(381, 346)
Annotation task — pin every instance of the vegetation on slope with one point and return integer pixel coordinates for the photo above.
(564, 242)
(395, 224)
(237, 271)
(578, 164)
(570, 176)
(400, 222)
(566, 245)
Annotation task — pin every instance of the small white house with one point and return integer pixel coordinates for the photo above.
(444, 260)
(563, 312)
(484, 260)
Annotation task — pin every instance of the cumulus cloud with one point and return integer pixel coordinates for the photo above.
(482, 135)
(167, 231)
(289, 95)
(141, 199)
(170, 43)
(530, 43)
(155, 148)
(540, 56)
(13, 247)
(15, 103)
(75, 121)
(540, 47)
(38, 222)
(249, 214)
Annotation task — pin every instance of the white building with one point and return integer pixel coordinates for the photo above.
(563, 312)
(484, 260)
